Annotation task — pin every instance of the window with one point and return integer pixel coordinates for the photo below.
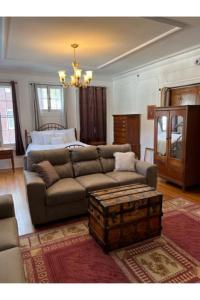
(50, 98)
(7, 125)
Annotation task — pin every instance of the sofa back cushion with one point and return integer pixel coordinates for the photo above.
(59, 158)
(85, 161)
(106, 153)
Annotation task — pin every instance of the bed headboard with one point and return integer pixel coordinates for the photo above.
(51, 126)
(47, 126)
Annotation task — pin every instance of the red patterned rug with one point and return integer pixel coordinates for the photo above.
(68, 254)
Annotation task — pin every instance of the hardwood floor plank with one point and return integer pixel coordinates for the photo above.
(13, 183)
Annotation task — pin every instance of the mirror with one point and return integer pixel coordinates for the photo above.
(162, 135)
(176, 142)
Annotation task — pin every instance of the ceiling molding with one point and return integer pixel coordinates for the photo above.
(187, 53)
(157, 38)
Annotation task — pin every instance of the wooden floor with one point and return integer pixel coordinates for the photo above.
(13, 183)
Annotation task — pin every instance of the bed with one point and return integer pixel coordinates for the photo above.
(52, 136)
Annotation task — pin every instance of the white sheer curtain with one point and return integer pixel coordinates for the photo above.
(49, 104)
(165, 96)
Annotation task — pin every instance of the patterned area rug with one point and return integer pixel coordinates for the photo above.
(68, 254)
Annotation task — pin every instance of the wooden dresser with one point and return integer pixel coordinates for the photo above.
(127, 130)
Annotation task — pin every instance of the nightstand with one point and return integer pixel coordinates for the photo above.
(7, 153)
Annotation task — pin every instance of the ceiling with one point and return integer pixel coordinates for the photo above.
(108, 45)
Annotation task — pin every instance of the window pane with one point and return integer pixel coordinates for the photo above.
(42, 97)
(7, 126)
(56, 98)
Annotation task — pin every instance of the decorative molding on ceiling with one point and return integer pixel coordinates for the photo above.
(186, 53)
(157, 38)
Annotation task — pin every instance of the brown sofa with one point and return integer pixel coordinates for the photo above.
(81, 170)
(11, 264)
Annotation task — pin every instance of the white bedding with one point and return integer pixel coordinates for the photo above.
(36, 147)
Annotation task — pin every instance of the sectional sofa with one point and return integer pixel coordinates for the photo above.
(11, 264)
(80, 170)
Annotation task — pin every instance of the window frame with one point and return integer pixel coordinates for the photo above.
(48, 88)
(4, 85)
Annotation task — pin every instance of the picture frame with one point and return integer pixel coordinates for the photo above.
(149, 155)
(151, 112)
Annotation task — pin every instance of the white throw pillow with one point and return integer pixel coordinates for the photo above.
(124, 161)
(57, 140)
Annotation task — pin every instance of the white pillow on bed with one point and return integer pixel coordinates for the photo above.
(57, 140)
(42, 137)
(68, 134)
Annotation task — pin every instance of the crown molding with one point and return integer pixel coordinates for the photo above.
(187, 53)
(143, 45)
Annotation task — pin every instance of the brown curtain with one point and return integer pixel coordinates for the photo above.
(92, 102)
(18, 137)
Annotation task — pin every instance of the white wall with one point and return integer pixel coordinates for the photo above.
(25, 102)
(133, 91)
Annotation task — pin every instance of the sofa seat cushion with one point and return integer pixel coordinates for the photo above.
(63, 191)
(96, 181)
(8, 233)
(123, 177)
(11, 266)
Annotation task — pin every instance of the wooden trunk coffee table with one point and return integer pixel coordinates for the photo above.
(124, 215)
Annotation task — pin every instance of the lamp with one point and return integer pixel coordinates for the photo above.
(76, 79)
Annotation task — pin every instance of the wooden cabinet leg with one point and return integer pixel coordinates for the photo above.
(12, 161)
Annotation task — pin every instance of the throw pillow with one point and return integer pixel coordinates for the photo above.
(47, 172)
(124, 161)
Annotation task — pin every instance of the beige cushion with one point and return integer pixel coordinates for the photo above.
(85, 161)
(96, 181)
(126, 177)
(106, 153)
(11, 266)
(124, 161)
(6, 206)
(8, 233)
(59, 158)
(87, 167)
(63, 191)
(84, 154)
(47, 172)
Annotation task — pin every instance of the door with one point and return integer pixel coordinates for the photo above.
(161, 138)
(176, 144)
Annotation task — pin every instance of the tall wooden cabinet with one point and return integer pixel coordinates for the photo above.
(127, 130)
(177, 144)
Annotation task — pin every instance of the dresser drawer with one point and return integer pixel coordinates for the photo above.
(5, 154)
(119, 135)
(120, 126)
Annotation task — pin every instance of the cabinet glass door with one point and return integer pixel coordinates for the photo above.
(162, 136)
(176, 136)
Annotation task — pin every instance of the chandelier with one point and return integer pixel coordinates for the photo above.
(76, 79)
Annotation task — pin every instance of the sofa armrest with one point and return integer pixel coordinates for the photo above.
(148, 170)
(6, 206)
(36, 194)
